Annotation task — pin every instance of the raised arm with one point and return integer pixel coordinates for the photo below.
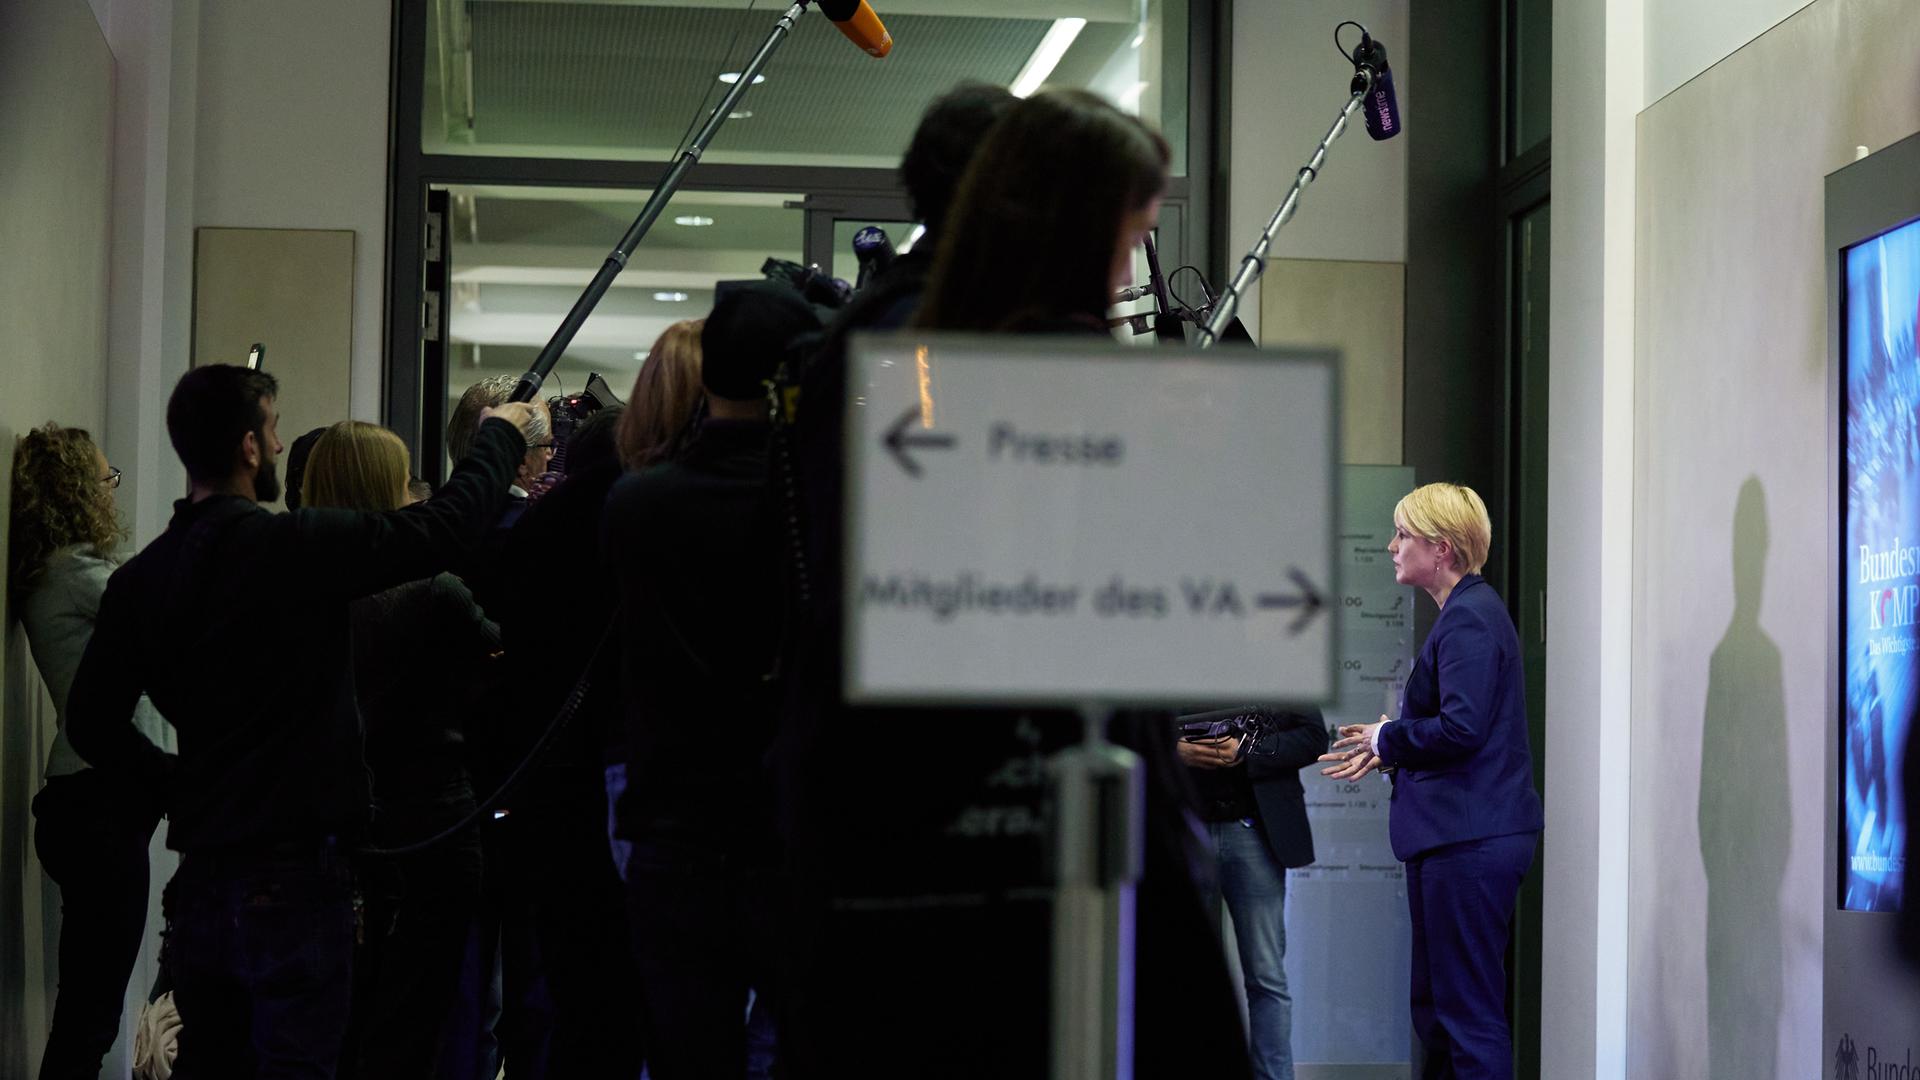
(364, 553)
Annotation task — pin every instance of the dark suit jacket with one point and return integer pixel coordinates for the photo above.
(1464, 770)
(1273, 766)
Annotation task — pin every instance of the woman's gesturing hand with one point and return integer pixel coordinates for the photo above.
(1352, 753)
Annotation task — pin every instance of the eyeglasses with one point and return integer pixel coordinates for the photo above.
(112, 479)
(547, 446)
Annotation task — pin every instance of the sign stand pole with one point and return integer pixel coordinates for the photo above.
(1099, 812)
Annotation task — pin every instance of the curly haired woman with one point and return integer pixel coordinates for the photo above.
(91, 830)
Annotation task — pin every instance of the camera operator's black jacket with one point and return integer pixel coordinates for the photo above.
(235, 622)
(693, 545)
(1271, 772)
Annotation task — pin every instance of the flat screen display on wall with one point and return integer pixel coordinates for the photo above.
(1881, 561)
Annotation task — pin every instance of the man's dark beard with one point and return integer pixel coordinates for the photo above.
(266, 482)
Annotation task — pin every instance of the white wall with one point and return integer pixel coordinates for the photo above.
(1596, 91)
(253, 113)
(1288, 86)
(292, 133)
(1687, 336)
(155, 47)
(1731, 646)
(1686, 37)
(56, 117)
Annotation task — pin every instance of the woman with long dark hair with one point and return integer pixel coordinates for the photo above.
(1047, 218)
(1041, 233)
(91, 830)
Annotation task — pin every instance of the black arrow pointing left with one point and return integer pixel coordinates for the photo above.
(899, 440)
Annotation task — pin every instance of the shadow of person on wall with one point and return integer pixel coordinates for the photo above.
(1746, 817)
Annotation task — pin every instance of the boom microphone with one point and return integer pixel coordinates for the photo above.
(874, 251)
(1382, 109)
(862, 27)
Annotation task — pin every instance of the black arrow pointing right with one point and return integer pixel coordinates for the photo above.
(898, 441)
(1308, 600)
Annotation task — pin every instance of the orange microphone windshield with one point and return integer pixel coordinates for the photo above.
(860, 24)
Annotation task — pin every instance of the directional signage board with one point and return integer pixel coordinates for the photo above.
(1046, 520)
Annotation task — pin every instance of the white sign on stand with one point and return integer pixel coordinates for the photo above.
(1046, 520)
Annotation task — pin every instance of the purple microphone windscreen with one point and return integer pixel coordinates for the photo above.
(874, 250)
(1382, 109)
(871, 240)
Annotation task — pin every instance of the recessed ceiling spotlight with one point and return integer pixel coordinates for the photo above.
(675, 297)
(743, 114)
(693, 220)
(731, 77)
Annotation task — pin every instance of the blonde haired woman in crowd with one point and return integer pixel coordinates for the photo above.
(420, 652)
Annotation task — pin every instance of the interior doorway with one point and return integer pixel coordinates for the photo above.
(506, 262)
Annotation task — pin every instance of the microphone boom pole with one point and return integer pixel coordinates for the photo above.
(1255, 262)
(663, 192)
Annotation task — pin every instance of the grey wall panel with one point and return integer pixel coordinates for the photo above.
(1359, 309)
(291, 290)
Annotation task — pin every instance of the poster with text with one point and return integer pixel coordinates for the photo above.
(1880, 572)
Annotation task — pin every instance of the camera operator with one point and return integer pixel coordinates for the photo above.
(270, 783)
(693, 544)
(1255, 812)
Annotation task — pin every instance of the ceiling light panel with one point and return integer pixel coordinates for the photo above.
(1046, 56)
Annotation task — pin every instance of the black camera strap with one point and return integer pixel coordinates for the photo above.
(577, 697)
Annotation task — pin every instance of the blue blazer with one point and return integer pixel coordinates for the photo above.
(1463, 770)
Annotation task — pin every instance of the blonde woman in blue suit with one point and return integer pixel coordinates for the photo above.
(1465, 818)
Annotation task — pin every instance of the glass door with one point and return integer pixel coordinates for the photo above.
(833, 220)
(515, 258)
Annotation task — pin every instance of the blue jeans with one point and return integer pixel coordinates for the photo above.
(1255, 887)
(622, 849)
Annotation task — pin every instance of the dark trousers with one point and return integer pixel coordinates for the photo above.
(1461, 898)
(574, 904)
(417, 911)
(554, 921)
(91, 835)
(260, 950)
(700, 922)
